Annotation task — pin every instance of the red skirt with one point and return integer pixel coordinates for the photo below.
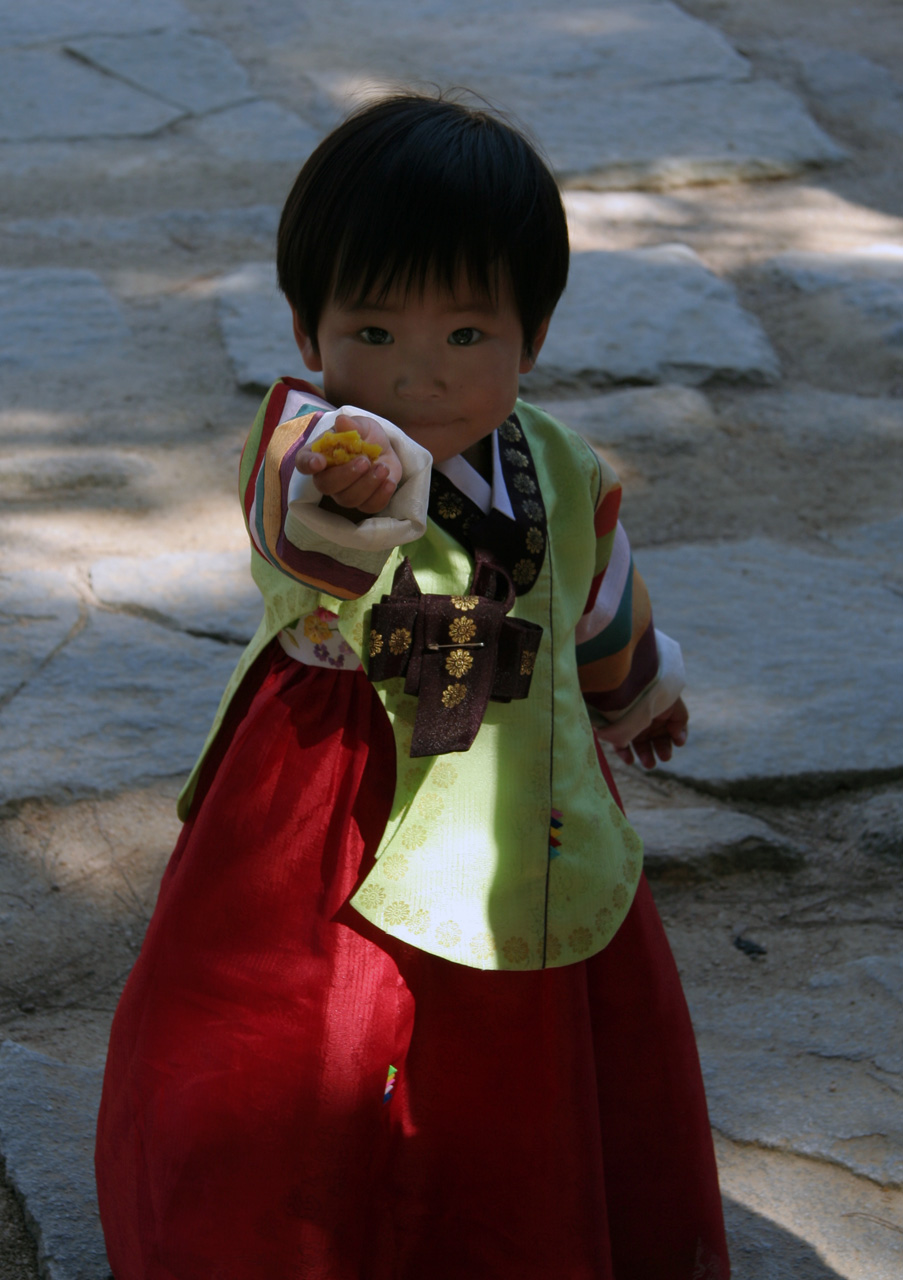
(537, 1125)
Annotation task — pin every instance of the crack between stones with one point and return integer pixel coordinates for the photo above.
(187, 112)
(790, 790)
(790, 1152)
(77, 627)
(169, 624)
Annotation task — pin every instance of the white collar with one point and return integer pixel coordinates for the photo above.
(466, 478)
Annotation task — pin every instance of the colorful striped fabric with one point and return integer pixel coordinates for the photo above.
(284, 425)
(617, 653)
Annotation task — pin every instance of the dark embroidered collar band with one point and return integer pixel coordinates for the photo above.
(518, 544)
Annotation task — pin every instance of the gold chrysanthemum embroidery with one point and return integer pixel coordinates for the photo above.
(465, 603)
(604, 919)
(619, 896)
(535, 541)
(516, 950)
(450, 507)
(395, 866)
(462, 630)
(510, 431)
(397, 913)
(453, 696)
(443, 774)
(527, 662)
(316, 629)
(532, 510)
(419, 921)
(430, 806)
(458, 662)
(376, 643)
(553, 947)
(580, 940)
(523, 572)
(399, 640)
(631, 870)
(448, 934)
(372, 896)
(632, 840)
(516, 458)
(524, 484)
(414, 835)
(482, 946)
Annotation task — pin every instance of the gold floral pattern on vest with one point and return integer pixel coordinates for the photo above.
(518, 545)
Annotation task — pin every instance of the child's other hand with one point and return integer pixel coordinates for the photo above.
(667, 731)
(358, 485)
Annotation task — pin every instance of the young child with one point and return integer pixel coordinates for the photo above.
(405, 1009)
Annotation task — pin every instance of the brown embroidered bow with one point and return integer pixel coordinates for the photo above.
(455, 653)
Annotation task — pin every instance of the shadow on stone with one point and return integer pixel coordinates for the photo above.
(762, 1250)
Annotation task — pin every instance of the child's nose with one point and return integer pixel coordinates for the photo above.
(421, 377)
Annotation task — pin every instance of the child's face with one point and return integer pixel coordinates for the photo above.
(444, 368)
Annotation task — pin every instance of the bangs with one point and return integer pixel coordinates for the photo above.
(414, 192)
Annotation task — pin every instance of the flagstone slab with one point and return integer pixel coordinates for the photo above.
(122, 702)
(256, 325)
(66, 472)
(631, 94)
(47, 94)
(38, 611)
(189, 71)
(846, 84)
(54, 317)
(189, 228)
(650, 315)
(62, 19)
(257, 132)
(684, 844)
(880, 544)
(48, 1113)
(877, 827)
(205, 593)
(615, 45)
(790, 656)
(868, 283)
(677, 135)
(813, 418)
(666, 419)
(816, 1071)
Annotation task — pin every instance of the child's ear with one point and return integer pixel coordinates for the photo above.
(528, 361)
(306, 345)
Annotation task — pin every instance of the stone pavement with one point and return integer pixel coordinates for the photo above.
(144, 150)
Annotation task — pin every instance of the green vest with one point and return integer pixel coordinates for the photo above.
(512, 855)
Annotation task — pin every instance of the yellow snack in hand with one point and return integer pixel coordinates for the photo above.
(341, 446)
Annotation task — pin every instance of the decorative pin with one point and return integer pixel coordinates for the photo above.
(390, 1084)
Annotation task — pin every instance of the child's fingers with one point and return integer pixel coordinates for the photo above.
(309, 463)
(359, 485)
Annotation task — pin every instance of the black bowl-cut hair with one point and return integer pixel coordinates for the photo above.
(411, 190)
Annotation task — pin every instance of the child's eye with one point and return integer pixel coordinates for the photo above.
(464, 337)
(375, 337)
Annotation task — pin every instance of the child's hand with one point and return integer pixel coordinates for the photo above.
(666, 731)
(358, 485)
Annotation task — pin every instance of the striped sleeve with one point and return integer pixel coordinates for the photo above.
(285, 522)
(629, 672)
